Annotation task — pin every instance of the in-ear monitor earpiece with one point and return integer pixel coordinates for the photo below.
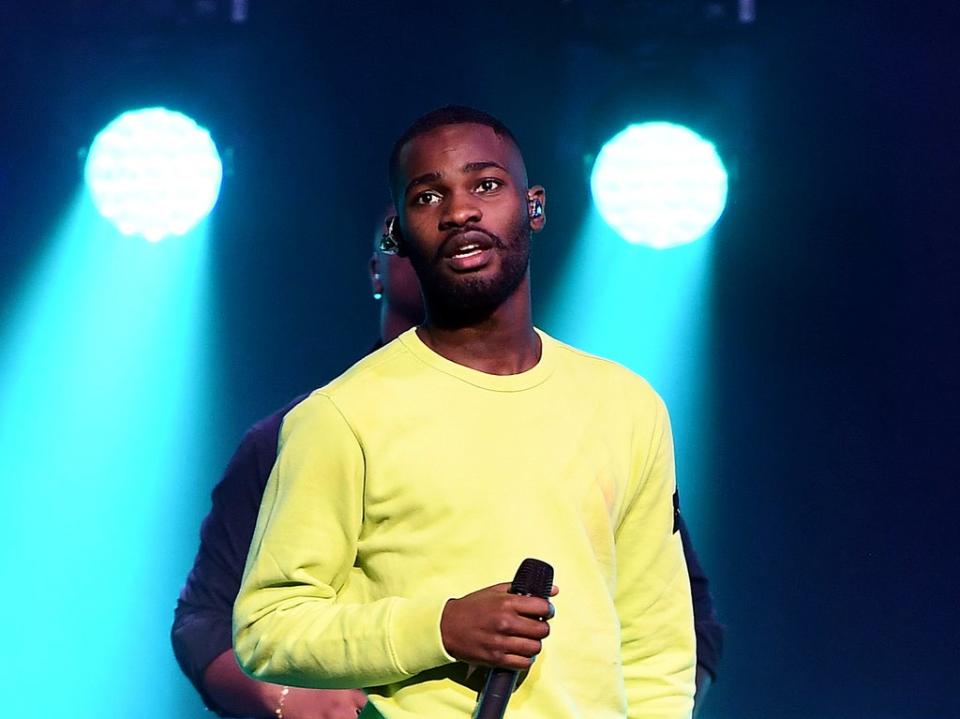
(388, 240)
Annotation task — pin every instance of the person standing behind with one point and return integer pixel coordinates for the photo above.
(201, 631)
(439, 461)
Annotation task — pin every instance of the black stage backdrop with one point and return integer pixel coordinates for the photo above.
(834, 335)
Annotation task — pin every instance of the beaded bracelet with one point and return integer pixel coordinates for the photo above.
(283, 697)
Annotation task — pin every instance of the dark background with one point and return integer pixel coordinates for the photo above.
(833, 546)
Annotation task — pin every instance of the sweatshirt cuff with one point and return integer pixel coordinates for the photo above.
(415, 638)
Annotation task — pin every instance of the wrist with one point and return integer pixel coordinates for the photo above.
(271, 697)
(445, 624)
(279, 700)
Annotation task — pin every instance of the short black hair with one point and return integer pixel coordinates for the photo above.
(442, 116)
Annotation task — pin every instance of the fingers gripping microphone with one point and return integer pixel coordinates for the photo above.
(535, 579)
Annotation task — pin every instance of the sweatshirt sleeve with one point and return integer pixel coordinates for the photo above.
(291, 622)
(658, 647)
(708, 627)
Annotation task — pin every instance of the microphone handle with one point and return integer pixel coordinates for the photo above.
(496, 693)
(533, 579)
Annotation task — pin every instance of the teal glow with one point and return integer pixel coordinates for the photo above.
(153, 172)
(650, 311)
(102, 395)
(659, 184)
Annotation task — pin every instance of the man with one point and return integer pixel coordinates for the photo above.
(434, 465)
(201, 629)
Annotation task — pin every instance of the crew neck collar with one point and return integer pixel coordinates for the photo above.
(495, 382)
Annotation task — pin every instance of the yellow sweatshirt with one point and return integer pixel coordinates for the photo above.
(411, 479)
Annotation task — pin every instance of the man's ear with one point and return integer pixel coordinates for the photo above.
(537, 207)
(373, 269)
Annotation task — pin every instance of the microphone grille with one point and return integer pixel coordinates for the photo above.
(534, 577)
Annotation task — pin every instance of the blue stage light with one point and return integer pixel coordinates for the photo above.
(153, 172)
(659, 184)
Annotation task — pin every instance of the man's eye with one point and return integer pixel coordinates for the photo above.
(426, 198)
(488, 185)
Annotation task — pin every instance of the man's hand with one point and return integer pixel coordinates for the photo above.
(494, 628)
(323, 703)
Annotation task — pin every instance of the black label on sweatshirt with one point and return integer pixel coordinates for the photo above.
(676, 511)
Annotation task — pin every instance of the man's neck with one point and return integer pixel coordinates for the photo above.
(393, 323)
(502, 343)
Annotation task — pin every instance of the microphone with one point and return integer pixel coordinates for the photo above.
(533, 579)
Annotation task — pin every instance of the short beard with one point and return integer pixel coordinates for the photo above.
(460, 301)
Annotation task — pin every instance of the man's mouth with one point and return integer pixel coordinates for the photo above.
(469, 250)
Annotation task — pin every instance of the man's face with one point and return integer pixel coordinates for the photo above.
(463, 204)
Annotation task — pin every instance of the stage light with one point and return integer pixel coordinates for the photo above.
(111, 336)
(659, 184)
(153, 172)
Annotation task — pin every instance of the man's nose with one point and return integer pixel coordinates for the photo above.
(460, 210)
